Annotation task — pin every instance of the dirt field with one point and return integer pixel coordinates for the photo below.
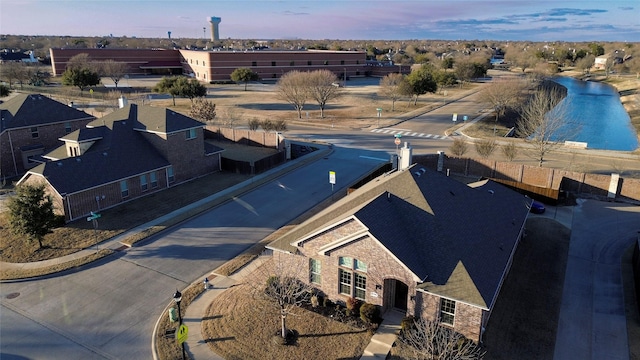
(357, 108)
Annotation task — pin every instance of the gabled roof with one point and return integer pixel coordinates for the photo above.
(149, 119)
(27, 110)
(458, 239)
(120, 154)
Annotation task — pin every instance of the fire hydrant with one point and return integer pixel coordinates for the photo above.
(206, 283)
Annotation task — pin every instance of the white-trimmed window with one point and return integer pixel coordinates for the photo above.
(345, 282)
(143, 182)
(170, 177)
(315, 271)
(447, 311)
(352, 277)
(154, 179)
(124, 188)
(190, 134)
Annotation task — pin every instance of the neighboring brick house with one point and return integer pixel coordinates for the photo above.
(416, 241)
(132, 152)
(31, 125)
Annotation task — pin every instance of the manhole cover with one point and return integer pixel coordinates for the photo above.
(13, 295)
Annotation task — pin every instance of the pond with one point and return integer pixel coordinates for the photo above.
(601, 120)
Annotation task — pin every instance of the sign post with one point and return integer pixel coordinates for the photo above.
(379, 110)
(182, 334)
(94, 218)
(332, 179)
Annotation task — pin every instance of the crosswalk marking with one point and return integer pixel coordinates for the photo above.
(409, 133)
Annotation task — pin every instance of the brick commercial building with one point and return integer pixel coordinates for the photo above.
(415, 241)
(30, 126)
(132, 152)
(218, 65)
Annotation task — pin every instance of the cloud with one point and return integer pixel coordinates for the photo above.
(574, 12)
(288, 13)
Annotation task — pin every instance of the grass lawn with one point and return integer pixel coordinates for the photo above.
(525, 318)
(239, 326)
(79, 234)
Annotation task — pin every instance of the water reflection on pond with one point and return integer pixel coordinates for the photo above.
(602, 121)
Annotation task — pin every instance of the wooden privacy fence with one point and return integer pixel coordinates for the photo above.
(547, 182)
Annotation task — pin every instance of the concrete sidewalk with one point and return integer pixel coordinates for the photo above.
(196, 312)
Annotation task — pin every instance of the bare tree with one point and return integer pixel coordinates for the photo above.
(391, 87)
(459, 147)
(608, 66)
(228, 117)
(292, 88)
(544, 122)
(520, 58)
(429, 340)
(114, 70)
(485, 148)
(80, 61)
(13, 72)
(284, 286)
(322, 85)
(510, 151)
(586, 63)
(503, 95)
(203, 110)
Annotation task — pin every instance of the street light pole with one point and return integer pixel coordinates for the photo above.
(177, 297)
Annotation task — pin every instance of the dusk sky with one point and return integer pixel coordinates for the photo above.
(567, 20)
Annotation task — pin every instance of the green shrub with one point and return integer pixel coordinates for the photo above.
(369, 313)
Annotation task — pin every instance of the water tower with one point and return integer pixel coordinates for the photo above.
(215, 31)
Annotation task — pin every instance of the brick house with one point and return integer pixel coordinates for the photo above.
(132, 152)
(31, 125)
(415, 241)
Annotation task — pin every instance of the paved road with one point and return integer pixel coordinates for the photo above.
(108, 310)
(592, 323)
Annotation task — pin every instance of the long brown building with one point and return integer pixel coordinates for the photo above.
(218, 65)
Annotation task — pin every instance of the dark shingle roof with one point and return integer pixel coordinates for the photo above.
(151, 119)
(457, 238)
(26, 110)
(121, 153)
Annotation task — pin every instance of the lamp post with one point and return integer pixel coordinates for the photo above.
(177, 297)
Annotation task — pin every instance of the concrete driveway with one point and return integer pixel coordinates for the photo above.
(592, 323)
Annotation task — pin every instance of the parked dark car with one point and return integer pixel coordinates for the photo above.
(537, 207)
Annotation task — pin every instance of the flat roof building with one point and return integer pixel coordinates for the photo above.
(218, 65)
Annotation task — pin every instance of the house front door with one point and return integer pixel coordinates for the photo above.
(400, 299)
(395, 294)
